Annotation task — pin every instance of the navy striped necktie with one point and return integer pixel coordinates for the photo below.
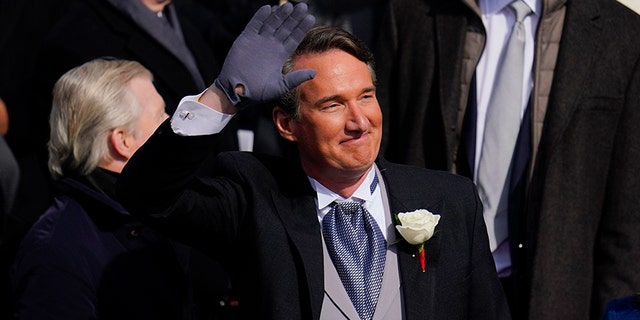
(358, 251)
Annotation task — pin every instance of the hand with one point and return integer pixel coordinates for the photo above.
(253, 65)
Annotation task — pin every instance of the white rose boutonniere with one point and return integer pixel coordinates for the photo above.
(416, 228)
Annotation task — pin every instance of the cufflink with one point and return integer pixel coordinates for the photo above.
(184, 115)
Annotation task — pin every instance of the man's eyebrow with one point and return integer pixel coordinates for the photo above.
(369, 89)
(335, 96)
(326, 99)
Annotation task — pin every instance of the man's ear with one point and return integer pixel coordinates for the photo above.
(284, 124)
(121, 144)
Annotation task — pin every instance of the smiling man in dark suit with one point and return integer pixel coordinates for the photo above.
(278, 224)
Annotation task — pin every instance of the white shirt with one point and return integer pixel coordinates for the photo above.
(208, 121)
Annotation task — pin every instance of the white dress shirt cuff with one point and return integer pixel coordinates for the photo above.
(193, 118)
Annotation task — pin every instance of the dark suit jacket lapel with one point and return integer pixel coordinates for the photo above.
(576, 56)
(418, 288)
(297, 210)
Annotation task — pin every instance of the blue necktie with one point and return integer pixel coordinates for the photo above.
(358, 251)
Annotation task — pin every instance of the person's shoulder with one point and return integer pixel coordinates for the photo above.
(616, 12)
(247, 158)
(263, 171)
(59, 224)
(410, 172)
(237, 158)
(254, 164)
(57, 238)
(432, 186)
(433, 183)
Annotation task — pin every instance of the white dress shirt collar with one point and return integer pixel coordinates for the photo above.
(326, 196)
(489, 7)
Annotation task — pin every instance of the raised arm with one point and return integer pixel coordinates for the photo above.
(162, 171)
